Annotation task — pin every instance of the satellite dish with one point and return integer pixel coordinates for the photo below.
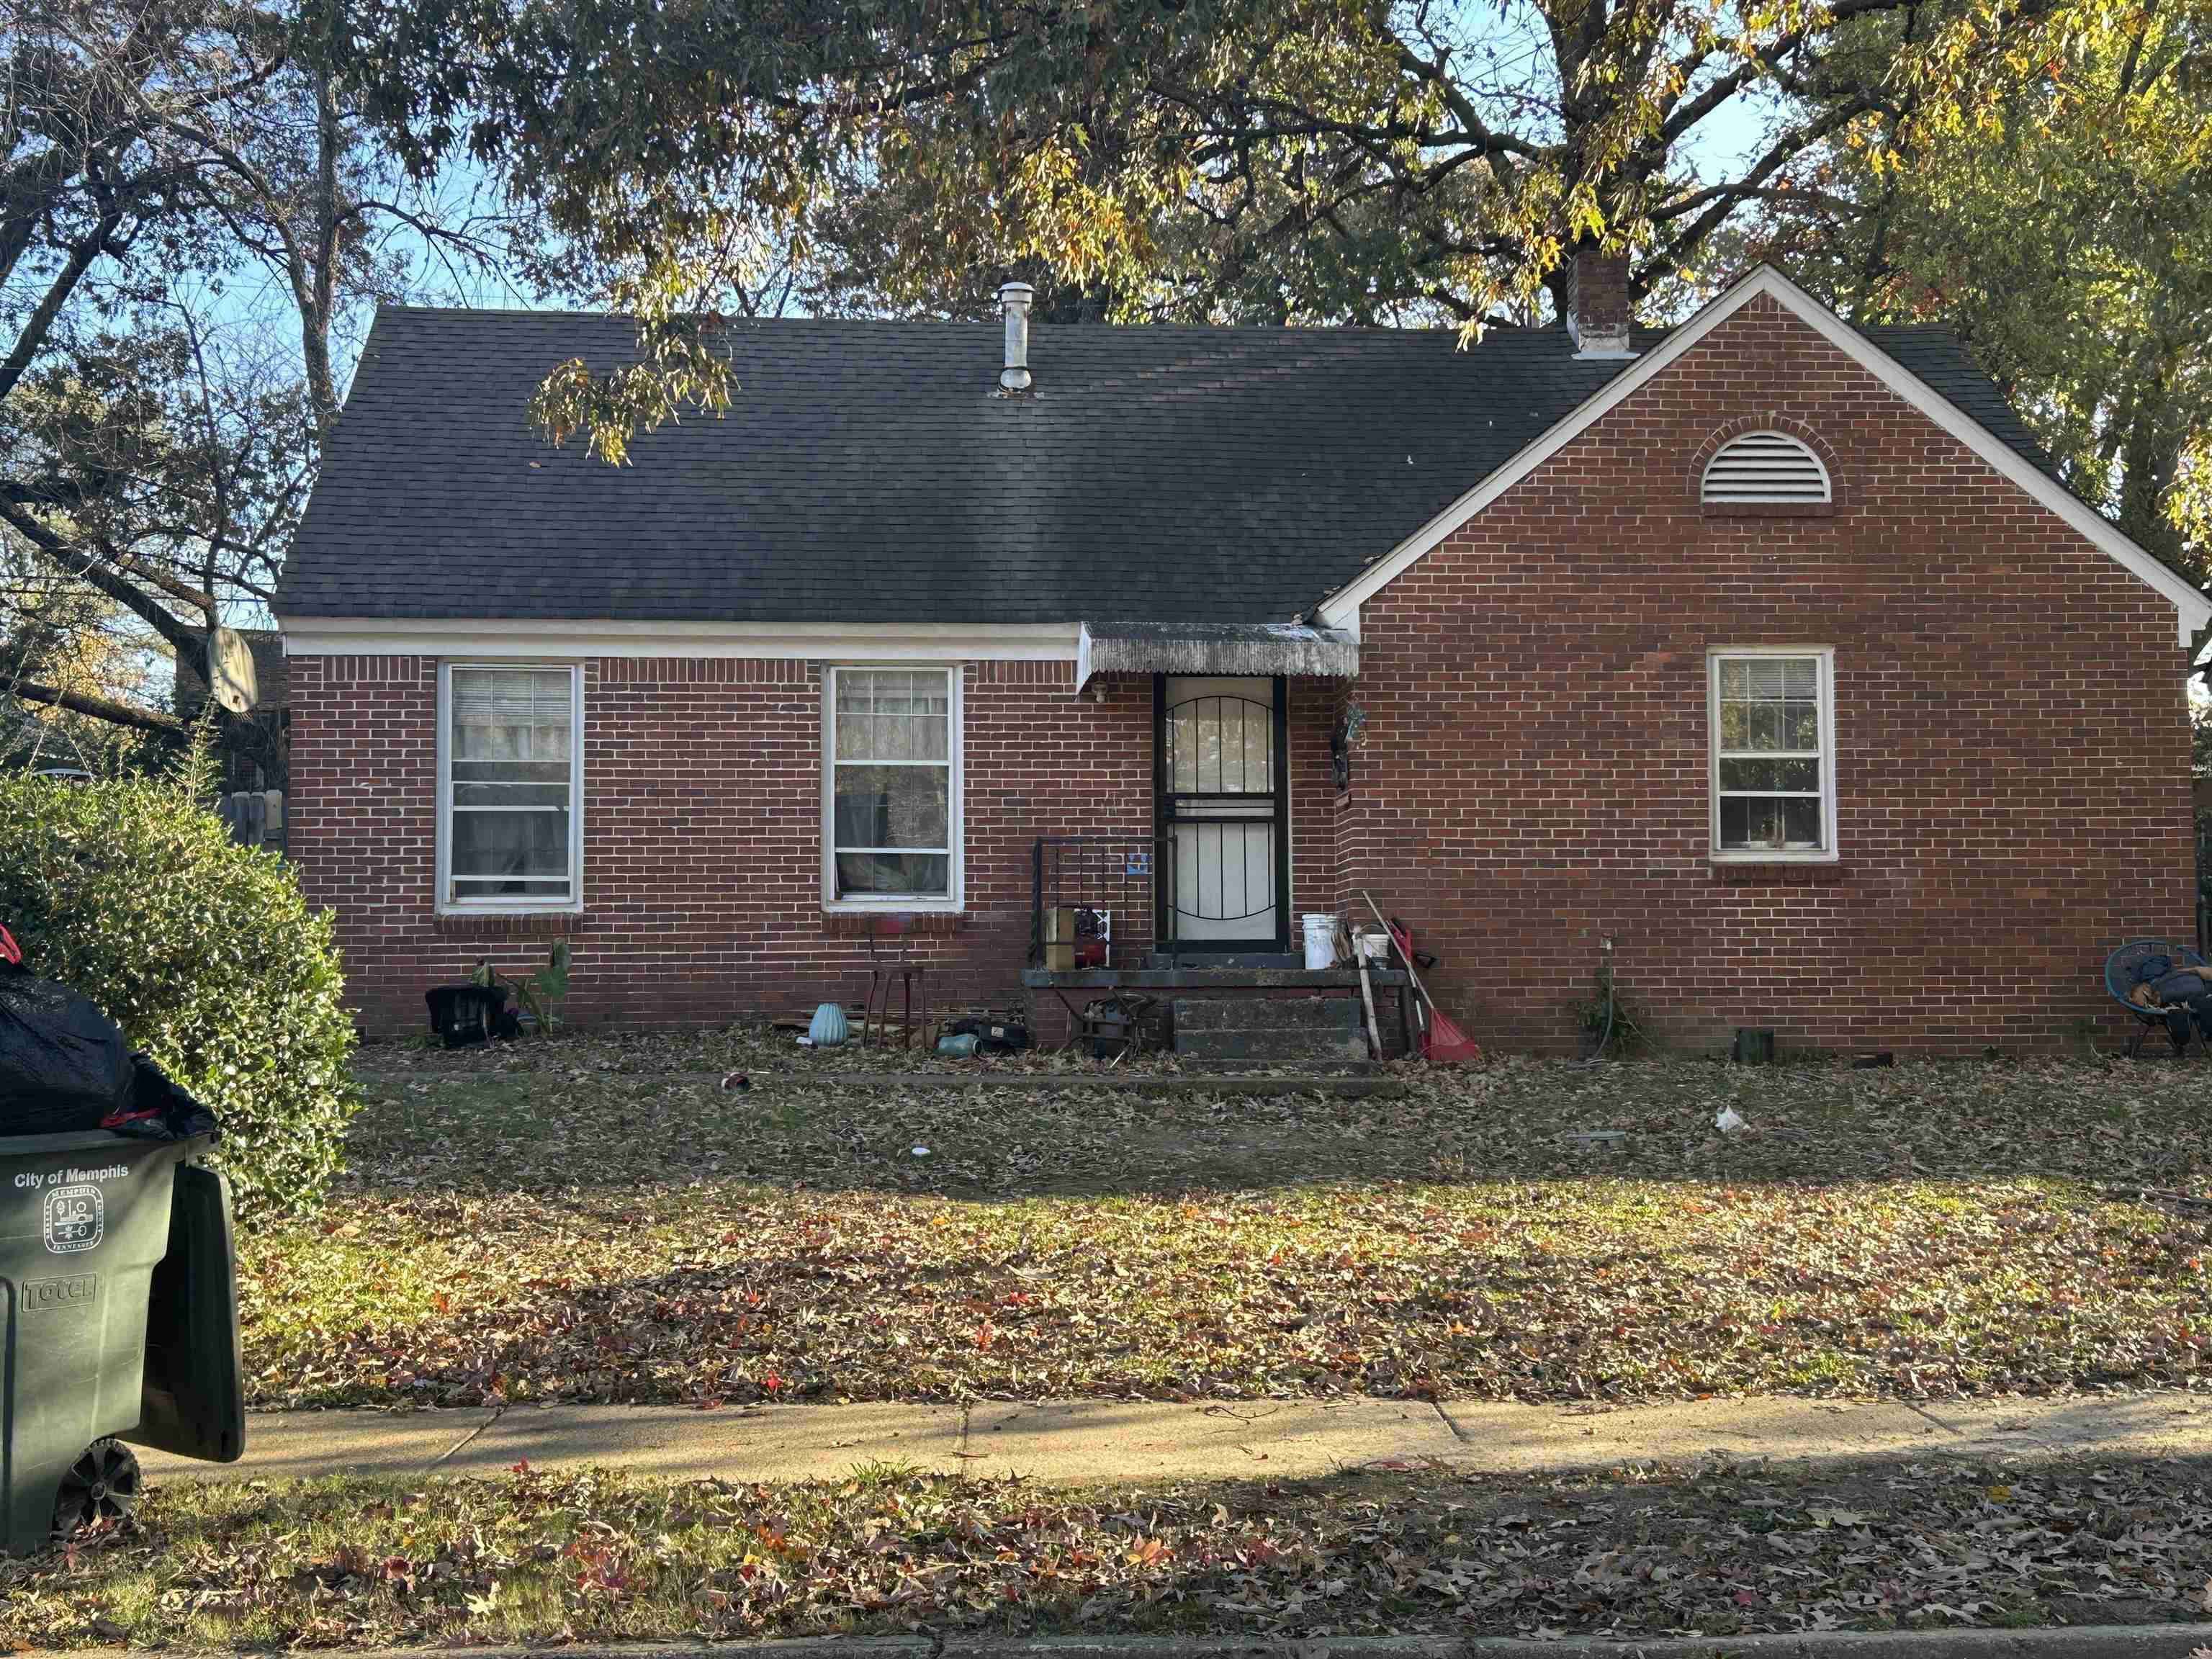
(230, 671)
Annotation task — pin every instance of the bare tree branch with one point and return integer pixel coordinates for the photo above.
(100, 708)
(92, 566)
(39, 324)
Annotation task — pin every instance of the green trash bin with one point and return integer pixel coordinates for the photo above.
(120, 1299)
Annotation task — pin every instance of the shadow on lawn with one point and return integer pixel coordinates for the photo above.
(974, 1162)
(542, 1556)
(889, 1311)
(1930, 1231)
(1963, 1121)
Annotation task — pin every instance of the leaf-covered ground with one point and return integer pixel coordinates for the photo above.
(585, 1220)
(538, 1557)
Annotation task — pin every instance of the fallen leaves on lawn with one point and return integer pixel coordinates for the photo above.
(1628, 1553)
(526, 1232)
(751, 1047)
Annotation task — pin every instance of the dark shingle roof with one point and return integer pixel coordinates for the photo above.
(1936, 355)
(864, 472)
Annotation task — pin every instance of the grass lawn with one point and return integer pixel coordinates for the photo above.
(540, 1558)
(593, 1219)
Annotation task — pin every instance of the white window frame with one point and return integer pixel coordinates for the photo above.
(955, 829)
(1827, 852)
(504, 904)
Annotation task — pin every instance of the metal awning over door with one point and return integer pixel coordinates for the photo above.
(1214, 648)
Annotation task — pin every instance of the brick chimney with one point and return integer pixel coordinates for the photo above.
(1598, 312)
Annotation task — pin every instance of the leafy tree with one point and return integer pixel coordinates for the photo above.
(2067, 235)
(1306, 160)
(64, 635)
(190, 215)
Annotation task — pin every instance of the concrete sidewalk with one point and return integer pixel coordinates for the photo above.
(1103, 1441)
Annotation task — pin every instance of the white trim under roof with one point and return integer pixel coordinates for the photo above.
(479, 638)
(2193, 611)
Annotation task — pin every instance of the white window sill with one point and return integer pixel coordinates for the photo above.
(1773, 855)
(573, 908)
(935, 906)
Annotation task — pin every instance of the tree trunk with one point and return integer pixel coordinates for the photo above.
(316, 295)
(2150, 456)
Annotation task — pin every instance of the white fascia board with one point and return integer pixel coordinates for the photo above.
(2193, 611)
(477, 637)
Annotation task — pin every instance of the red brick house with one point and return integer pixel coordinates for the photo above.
(1766, 648)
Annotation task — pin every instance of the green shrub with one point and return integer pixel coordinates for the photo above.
(203, 952)
(1609, 1023)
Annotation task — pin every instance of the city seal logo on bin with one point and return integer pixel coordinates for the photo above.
(77, 1219)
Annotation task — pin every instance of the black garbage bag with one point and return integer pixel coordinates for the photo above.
(64, 1064)
(471, 1014)
(158, 1109)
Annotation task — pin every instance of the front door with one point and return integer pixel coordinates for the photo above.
(1222, 793)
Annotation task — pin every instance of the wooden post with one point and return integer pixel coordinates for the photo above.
(1367, 997)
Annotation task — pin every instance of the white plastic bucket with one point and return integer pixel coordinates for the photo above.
(1320, 941)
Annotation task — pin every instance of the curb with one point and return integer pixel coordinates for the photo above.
(2060, 1641)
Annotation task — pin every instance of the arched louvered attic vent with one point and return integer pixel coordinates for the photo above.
(1763, 468)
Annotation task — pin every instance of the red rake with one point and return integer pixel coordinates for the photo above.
(1443, 1043)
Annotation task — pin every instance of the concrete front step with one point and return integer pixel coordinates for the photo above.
(1273, 961)
(1270, 1047)
(1350, 1079)
(1267, 1014)
(1269, 1030)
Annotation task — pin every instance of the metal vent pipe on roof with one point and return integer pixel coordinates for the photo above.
(1014, 299)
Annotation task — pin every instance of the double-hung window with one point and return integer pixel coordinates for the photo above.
(891, 788)
(1773, 753)
(510, 787)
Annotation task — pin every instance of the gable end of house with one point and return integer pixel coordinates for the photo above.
(2193, 609)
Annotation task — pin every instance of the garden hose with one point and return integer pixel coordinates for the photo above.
(1605, 1036)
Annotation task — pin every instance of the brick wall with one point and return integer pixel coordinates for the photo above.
(2012, 744)
(1310, 713)
(702, 832)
